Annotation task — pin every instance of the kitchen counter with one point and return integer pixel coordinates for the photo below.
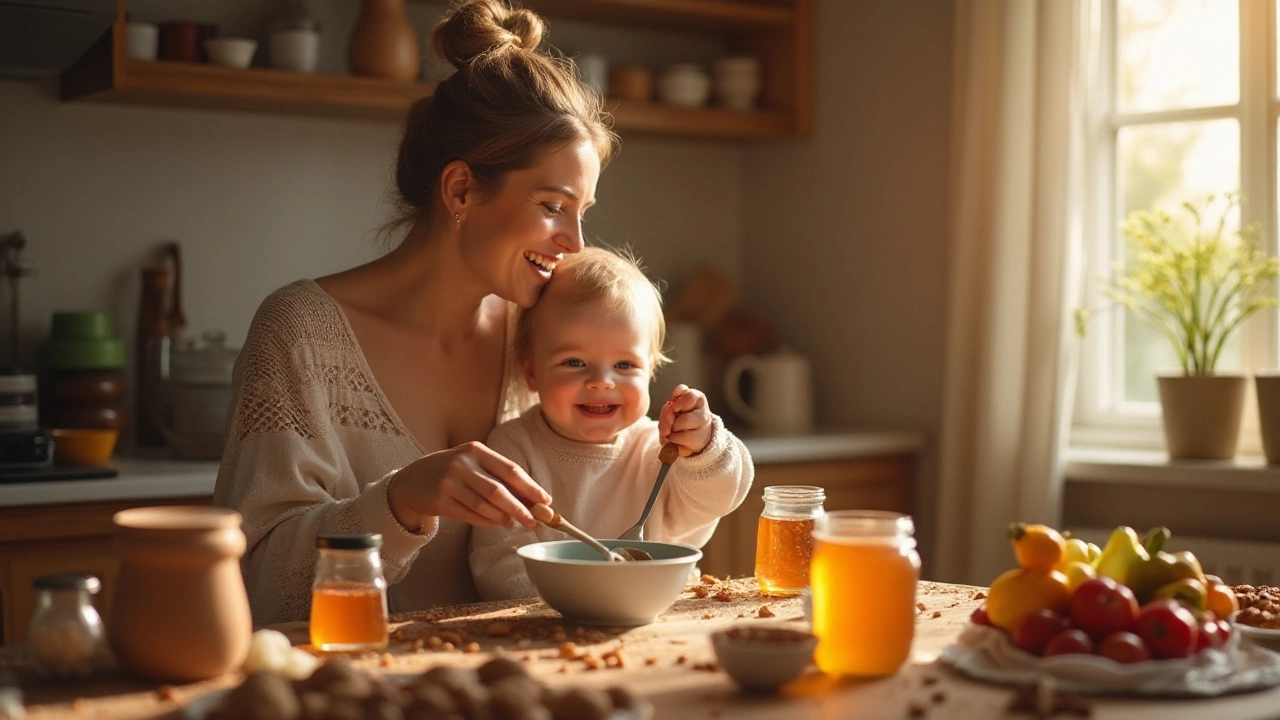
(143, 479)
(669, 663)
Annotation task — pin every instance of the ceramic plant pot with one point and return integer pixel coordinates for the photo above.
(180, 612)
(1201, 415)
(384, 43)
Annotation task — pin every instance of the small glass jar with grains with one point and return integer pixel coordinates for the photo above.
(66, 636)
(784, 541)
(349, 594)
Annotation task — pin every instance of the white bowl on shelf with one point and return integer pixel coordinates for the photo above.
(231, 51)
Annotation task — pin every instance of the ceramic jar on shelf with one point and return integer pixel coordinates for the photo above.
(293, 43)
(83, 383)
(384, 43)
(684, 85)
(738, 82)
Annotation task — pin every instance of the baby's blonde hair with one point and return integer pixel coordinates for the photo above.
(613, 278)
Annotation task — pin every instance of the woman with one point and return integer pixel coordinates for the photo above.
(362, 398)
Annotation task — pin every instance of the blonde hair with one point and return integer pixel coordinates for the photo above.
(505, 107)
(614, 279)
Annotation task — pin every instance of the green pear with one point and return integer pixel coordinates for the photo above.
(1122, 551)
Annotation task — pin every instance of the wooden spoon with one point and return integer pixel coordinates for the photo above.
(547, 515)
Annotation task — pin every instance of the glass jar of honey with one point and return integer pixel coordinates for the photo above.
(865, 570)
(784, 540)
(349, 595)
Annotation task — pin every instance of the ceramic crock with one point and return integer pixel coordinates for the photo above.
(180, 612)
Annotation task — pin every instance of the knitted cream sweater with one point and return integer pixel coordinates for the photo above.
(311, 442)
(602, 487)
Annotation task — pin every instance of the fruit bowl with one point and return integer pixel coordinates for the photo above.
(987, 653)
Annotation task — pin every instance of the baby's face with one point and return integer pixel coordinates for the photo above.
(590, 368)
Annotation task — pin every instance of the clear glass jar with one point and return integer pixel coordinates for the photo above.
(349, 594)
(784, 539)
(865, 571)
(66, 635)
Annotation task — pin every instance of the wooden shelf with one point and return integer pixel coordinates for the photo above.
(776, 31)
(693, 14)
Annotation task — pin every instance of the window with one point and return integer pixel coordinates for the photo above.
(1184, 105)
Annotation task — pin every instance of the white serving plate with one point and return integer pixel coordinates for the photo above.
(1260, 636)
(986, 653)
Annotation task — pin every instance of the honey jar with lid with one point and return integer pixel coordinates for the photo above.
(784, 540)
(349, 594)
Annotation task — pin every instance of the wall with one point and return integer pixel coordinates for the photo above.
(259, 200)
(845, 235)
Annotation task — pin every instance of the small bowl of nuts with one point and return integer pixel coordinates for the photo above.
(763, 659)
(1258, 620)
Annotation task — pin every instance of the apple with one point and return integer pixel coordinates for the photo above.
(1210, 636)
(1124, 647)
(1168, 629)
(1037, 629)
(979, 616)
(1102, 606)
(1069, 641)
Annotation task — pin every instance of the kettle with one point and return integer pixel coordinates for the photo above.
(197, 396)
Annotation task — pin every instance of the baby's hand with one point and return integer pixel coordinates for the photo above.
(686, 421)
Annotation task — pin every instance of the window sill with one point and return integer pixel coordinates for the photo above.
(1245, 473)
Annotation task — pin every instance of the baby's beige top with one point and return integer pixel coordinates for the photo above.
(602, 488)
(311, 443)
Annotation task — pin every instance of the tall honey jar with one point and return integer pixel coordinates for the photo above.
(349, 594)
(784, 539)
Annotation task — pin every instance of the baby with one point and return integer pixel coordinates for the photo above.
(589, 349)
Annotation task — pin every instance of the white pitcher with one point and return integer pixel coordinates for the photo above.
(783, 402)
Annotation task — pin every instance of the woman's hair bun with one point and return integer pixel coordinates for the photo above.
(478, 27)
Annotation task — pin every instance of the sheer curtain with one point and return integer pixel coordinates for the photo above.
(1018, 143)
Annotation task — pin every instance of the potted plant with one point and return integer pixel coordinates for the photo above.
(1195, 283)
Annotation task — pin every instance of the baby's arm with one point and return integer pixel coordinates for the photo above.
(705, 485)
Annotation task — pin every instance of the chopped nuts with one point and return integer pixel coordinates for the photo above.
(765, 612)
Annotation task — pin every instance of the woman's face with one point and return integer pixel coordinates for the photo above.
(589, 366)
(515, 237)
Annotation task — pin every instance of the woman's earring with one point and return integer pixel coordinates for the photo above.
(457, 220)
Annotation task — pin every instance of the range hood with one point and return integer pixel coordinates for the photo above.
(44, 37)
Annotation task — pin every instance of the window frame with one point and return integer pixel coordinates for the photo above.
(1099, 419)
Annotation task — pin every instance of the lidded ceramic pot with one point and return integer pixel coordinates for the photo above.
(199, 393)
(180, 612)
(83, 383)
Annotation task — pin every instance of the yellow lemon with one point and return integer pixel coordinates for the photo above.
(1076, 572)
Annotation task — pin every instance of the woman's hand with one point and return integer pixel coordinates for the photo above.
(686, 421)
(471, 483)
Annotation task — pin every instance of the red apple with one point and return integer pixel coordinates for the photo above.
(1067, 642)
(1037, 629)
(979, 616)
(1124, 647)
(1102, 606)
(1168, 629)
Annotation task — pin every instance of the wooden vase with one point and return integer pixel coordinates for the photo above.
(1201, 415)
(180, 612)
(384, 43)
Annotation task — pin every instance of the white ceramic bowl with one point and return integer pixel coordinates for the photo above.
(230, 51)
(762, 657)
(589, 590)
(1265, 637)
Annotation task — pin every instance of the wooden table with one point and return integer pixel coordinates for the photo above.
(667, 662)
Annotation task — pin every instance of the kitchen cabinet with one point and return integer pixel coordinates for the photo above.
(779, 32)
(46, 539)
(857, 483)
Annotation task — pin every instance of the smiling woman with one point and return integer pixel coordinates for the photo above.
(362, 398)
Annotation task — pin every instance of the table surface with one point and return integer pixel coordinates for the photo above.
(670, 663)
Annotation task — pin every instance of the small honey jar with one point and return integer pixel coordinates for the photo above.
(349, 594)
(784, 541)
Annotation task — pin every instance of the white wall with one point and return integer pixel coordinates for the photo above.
(845, 235)
(259, 200)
